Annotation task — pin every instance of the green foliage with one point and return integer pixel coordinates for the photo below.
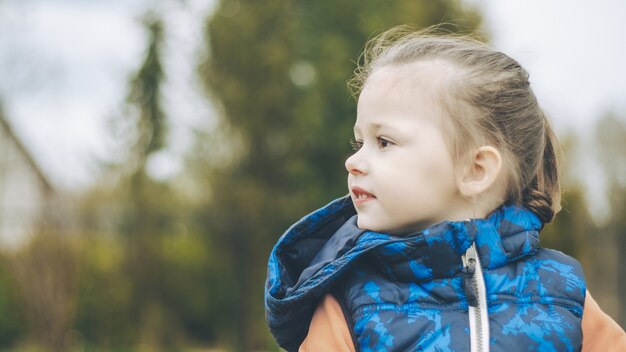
(12, 327)
(159, 278)
(105, 295)
(45, 279)
(145, 93)
(277, 70)
(179, 309)
(143, 262)
(571, 227)
(610, 141)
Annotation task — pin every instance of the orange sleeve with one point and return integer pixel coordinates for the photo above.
(328, 330)
(600, 332)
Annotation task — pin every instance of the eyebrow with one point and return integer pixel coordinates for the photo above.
(377, 126)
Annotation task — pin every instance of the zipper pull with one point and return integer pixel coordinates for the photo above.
(476, 294)
(469, 282)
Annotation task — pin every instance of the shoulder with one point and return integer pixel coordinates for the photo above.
(547, 277)
(562, 272)
(558, 257)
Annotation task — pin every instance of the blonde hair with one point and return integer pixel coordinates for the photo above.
(489, 99)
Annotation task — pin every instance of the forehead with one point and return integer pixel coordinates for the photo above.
(395, 92)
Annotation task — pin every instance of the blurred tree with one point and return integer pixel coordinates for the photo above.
(570, 230)
(610, 144)
(145, 96)
(277, 73)
(105, 294)
(12, 325)
(144, 220)
(572, 226)
(153, 211)
(46, 272)
(114, 310)
(143, 211)
(609, 136)
(146, 274)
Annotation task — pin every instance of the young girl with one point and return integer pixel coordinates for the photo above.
(437, 245)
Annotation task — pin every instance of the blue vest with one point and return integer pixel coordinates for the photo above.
(420, 291)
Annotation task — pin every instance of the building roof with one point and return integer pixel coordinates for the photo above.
(22, 149)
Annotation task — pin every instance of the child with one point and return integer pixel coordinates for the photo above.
(437, 245)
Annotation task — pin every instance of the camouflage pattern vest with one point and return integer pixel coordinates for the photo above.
(475, 285)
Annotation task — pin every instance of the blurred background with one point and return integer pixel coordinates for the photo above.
(152, 152)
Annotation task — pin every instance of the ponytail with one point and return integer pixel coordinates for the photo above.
(543, 194)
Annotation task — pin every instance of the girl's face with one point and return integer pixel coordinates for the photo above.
(401, 178)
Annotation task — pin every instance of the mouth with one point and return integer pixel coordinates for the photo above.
(361, 196)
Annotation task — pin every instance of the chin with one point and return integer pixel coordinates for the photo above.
(363, 224)
(391, 229)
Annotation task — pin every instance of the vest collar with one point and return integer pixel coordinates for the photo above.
(509, 233)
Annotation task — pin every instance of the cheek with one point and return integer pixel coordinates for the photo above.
(404, 187)
(424, 178)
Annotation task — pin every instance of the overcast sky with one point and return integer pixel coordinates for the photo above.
(573, 49)
(64, 72)
(64, 68)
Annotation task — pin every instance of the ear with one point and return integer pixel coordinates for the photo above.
(481, 172)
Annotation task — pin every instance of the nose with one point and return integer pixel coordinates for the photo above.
(355, 164)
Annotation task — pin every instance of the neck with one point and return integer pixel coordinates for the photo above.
(473, 209)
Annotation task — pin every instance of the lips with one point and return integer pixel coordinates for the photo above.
(361, 196)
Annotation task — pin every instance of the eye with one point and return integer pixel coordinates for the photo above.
(356, 145)
(382, 142)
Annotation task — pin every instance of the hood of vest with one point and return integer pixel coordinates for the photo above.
(318, 248)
